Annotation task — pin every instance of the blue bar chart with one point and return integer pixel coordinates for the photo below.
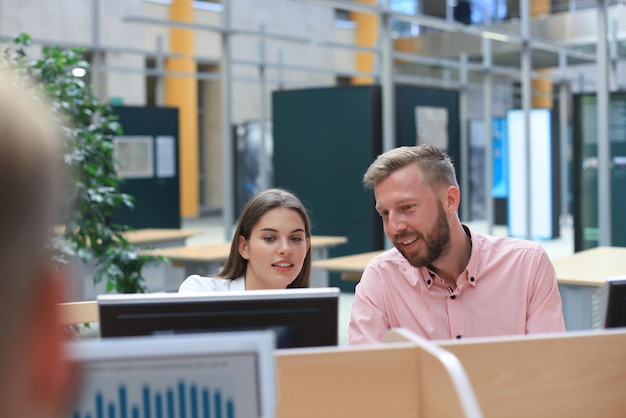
(203, 403)
(186, 388)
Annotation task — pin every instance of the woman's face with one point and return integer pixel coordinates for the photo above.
(276, 249)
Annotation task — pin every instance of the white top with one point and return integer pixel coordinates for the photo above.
(199, 284)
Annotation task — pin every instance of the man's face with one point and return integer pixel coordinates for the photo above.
(413, 216)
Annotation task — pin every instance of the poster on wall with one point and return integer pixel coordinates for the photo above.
(135, 156)
(431, 126)
(165, 156)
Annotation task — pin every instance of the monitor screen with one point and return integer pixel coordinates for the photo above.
(299, 317)
(218, 374)
(616, 302)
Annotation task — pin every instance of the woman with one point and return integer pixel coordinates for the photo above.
(271, 248)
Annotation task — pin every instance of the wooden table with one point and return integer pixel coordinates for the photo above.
(350, 266)
(157, 277)
(153, 237)
(582, 284)
(591, 267)
(581, 278)
(206, 260)
(160, 237)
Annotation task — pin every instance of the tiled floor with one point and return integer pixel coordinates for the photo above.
(213, 231)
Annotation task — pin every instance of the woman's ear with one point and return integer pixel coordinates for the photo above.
(243, 248)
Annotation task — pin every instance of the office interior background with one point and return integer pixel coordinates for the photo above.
(229, 65)
(526, 95)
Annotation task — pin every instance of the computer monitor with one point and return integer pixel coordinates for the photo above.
(299, 317)
(615, 302)
(194, 375)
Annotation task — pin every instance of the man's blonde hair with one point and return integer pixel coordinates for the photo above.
(435, 165)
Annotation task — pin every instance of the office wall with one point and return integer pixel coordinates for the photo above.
(70, 22)
(585, 167)
(324, 140)
(427, 115)
(156, 191)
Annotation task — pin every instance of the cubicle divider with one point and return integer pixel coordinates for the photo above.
(574, 374)
(404, 379)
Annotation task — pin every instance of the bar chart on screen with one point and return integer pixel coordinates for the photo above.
(152, 389)
(183, 376)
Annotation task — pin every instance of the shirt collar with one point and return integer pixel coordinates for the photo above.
(470, 271)
(237, 284)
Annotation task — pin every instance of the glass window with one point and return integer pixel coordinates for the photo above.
(488, 11)
(401, 29)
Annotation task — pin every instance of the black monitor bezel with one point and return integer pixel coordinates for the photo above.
(615, 312)
(300, 317)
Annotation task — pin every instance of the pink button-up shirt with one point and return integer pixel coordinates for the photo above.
(509, 287)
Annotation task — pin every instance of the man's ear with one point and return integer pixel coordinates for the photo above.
(452, 199)
(243, 248)
(52, 380)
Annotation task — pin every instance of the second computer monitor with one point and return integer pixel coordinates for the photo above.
(615, 314)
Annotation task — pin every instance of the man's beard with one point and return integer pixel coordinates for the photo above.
(436, 242)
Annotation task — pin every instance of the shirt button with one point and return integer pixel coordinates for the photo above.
(472, 279)
(453, 297)
(458, 337)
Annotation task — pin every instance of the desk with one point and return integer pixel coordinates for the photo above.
(582, 278)
(152, 237)
(157, 277)
(159, 237)
(206, 260)
(350, 266)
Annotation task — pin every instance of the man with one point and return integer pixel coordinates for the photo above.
(442, 280)
(35, 381)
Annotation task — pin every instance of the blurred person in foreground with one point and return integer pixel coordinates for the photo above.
(35, 380)
(442, 280)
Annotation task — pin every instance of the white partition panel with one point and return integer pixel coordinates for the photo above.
(540, 176)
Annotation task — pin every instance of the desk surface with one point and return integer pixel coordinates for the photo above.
(220, 251)
(150, 235)
(591, 267)
(353, 264)
(584, 268)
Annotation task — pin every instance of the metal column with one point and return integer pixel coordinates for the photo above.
(526, 59)
(463, 93)
(386, 78)
(96, 62)
(563, 133)
(604, 151)
(488, 111)
(228, 184)
(263, 103)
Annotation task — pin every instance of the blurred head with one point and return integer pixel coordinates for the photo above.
(32, 378)
(417, 197)
(271, 244)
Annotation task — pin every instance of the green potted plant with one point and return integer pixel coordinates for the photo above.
(93, 194)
